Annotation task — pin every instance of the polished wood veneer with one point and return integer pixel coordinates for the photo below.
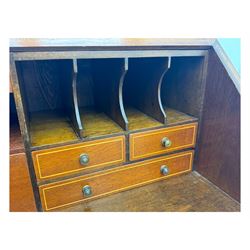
(61, 161)
(184, 193)
(126, 108)
(48, 128)
(21, 193)
(69, 192)
(146, 144)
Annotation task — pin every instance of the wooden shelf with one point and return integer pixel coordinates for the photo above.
(139, 120)
(53, 127)
(175, 117)
(50, 127)
(98, 123)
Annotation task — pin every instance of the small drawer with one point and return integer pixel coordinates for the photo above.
(160, 141)
(75, 190)
(61, 161)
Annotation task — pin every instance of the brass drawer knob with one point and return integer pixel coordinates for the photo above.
(87, 191)
(164, 170)
(166, 142)
(84, 159)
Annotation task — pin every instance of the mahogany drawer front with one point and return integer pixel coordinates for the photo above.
(147, 144)
(65, 160)
(69, 192)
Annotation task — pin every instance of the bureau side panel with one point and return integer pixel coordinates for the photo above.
(218, 154)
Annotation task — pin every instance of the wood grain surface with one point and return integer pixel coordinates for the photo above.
(68, 79)
(175, 117)
(183, 85)
(39, 44)
(218, 155)
(61, 161)
(97, 123)
(185, 193)
(139, 120)
(16, 142)
(50, 127)
(142, 85)
(69, 192)
(108, 77)
(21, 192)
(146, 144)
(218, 110)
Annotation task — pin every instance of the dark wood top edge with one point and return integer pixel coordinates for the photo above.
(33, 44)
(104, 48)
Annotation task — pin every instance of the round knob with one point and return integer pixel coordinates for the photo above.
(164, 170)
(87, 190)
(84, 159)
(166, 142)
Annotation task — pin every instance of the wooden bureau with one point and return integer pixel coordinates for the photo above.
(98, 122)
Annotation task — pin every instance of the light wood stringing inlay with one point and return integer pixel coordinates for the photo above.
(69, 192)
(65, 160)
(146, 144)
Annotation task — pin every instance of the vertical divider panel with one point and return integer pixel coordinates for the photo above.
(124, 72)
(143, 85)
(108, 83)
(159, 90)
(183, 86)
(70, 98)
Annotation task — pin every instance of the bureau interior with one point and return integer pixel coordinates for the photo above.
(46, 92)
(70, 100)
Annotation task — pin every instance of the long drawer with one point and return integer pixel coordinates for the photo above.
(61, 161)
(75, 190)
(161, 141)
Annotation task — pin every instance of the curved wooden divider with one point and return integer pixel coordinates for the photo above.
(142, 86)
(121, 94)
(70, 97)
